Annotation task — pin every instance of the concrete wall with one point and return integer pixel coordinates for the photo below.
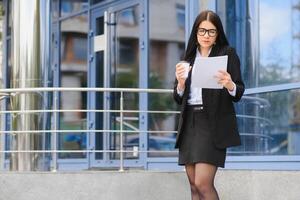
(146, 185)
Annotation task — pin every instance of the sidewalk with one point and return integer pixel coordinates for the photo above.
(145, 185)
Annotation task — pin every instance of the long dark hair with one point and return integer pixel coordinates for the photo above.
(212, 17)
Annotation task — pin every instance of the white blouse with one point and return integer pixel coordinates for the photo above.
(195, 96)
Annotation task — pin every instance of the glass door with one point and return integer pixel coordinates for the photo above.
(115, 63)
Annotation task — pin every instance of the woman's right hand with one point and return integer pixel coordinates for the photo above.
(180, 72)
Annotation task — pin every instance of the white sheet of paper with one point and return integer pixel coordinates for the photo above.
(204, 70)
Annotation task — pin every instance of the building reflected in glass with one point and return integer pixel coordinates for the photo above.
(136, 44)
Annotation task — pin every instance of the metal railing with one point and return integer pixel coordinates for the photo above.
(6, 93)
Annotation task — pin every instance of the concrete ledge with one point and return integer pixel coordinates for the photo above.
(145, 185)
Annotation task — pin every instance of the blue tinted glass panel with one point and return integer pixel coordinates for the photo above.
(269, 124)
(72, 6)
(279, 42)
(180, 12)
(166, 48)
(269, 51)
(73, 73)
(96, 1)
(55, 9)
(80, 48)
(125, 74)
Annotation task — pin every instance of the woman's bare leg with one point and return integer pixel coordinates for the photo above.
(190, 171)
(204, 181)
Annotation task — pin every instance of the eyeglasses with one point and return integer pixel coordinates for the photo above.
(211, 32)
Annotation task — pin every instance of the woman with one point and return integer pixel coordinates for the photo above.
(207, 123)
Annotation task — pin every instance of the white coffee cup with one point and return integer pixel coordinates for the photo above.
(186, 66)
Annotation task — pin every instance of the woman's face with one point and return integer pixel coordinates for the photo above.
(206, 34)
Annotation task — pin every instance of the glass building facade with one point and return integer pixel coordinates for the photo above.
(136, 44)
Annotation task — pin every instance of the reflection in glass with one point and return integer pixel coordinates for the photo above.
(96, 1)
(72, 6)
(240, 20)
(3, 67)
(125, 74)
(180, 12)
(295, 36)
(127, 17)
(253, 124)
(7, 146)
(269, 124)
(278, 49)
(209, 4)
(9, 24)
(99, 79)
(55, 9)
(73, 74)
(9, 62)
(166, 49)
(7, 103)
(269, 52)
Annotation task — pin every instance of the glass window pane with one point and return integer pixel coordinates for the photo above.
(180, 13)
(96, 1)
(9, 24)
(55, 9)
(166, 48)
(9, 62)
(208, 4)
(73, 72)
(8, 105)
(125, 74)
(269, 124)
(2, 17)
(279, 50)
(99, 82)
(3, 57)
(269, 51)
(72, 6)
(241, 21)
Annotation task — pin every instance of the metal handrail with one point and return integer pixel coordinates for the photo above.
(82, 89)
(16, 91)
(259, 99)
(87, 151)
(87, 110)
(4, 96)
(256, 118)
(87, 131)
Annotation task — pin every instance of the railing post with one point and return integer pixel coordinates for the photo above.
(54, 135)
(121, 133)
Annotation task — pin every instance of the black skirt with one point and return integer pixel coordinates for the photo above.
(196, 141)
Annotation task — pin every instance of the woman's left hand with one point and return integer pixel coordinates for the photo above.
(224, 79)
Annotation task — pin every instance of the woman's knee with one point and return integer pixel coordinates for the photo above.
(203, 186)
(192, 184)
(194, 189)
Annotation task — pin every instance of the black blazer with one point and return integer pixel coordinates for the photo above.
(218, 103)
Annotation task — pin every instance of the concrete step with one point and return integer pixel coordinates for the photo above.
(145, 185)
